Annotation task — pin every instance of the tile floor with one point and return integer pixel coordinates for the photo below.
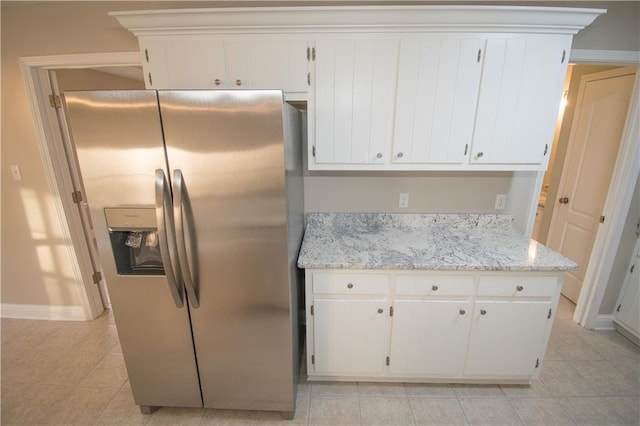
(72, 373)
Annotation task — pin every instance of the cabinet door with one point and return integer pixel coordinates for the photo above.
(267, 64)
(429, 337)
(350, 336)
(355, 84)
(519, 99)
(506, 338)
(183, 64)
(628, 312)
(438, 79)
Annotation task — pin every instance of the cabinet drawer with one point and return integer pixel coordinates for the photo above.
(434, 285)
(519, 286)
(350, 283)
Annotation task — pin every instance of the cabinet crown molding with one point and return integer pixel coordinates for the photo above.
(328, 19)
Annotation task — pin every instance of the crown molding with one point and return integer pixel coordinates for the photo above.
(321, 19)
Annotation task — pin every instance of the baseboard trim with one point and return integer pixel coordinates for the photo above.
(603, 322)
(42, 312)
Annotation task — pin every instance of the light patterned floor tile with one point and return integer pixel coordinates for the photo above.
(489, 411)
(334, 410)
(385, 411)
(603, 410)
(437, 411)
(541, 411)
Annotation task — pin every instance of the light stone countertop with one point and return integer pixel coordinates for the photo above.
(450, 242)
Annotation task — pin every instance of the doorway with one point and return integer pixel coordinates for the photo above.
(95, 78)
(578, 180)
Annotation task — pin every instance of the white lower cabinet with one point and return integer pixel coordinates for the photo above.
(429, 337)
(506, 338)
(421, 326)
(350, 336)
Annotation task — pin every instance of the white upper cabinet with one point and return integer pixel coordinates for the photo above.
(519, 99)
(213, 63)
(436, 96)
(390, 87)
(354, 100)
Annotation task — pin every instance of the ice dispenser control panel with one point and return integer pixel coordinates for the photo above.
(134, 240)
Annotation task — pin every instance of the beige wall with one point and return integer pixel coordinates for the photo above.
(35, 267)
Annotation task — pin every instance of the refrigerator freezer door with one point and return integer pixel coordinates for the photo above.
(119, 145)
(228, 146)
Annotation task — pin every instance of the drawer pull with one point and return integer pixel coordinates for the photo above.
(462, 311)
(519, 288)
(380, 310)
(349, 285)
(217, 82)
(483, 312)
(434, 287)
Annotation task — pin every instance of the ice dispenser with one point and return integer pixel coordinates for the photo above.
(134, 240)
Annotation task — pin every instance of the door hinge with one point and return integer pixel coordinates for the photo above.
(466, 149)
(388, 360)
(55, 101)
(76, 197)
(97, 277)
(618, 308)
(313, 151)
(313, 53)
(311, 309)
(601, 219)
(391, 311)
(546, 149)
(479, 55)
(308, 79)
(549, 316)
(537, 362)
(146, 55)
(313, 359)
(150, 79)
(564, 55)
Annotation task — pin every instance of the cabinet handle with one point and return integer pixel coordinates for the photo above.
(483, 312)
(462, 311)
(238, 82)
(519, 288)
(480, 154)
(379, 155)
(217, 82)
(434, 287)
(380, 310)
(564, 200)
(349, 285)
(400, 155)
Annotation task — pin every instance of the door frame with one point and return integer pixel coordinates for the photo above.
(49, 135)
(617, 201)
(34, 70)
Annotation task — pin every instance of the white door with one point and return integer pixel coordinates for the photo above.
(628, 311)
(350, 336)
(520, 92)
(429, 337)
(354, 100)
(438, 80)
(591, 156)
(515, 350)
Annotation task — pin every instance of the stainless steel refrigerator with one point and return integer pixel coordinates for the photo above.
(197, 204)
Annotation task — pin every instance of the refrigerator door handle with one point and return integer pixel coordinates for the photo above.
(164, 219)
(179, 210)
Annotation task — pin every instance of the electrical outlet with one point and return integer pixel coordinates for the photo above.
(404, 200)
(501, 200)
(15, 172)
